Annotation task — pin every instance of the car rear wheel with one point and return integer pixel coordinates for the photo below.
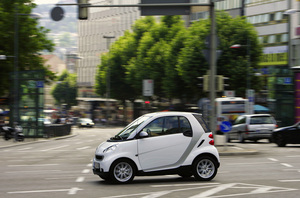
(241, 138)
(122, 171)
(280, 141)
(205, 168)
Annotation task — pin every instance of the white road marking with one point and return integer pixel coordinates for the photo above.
(54, 148)
(80, 179)
(215, 190)
(71, 191)
(273, 159)
(251, 189)
(24, 149)
(86, 171)
(35, 171)
(82, 148)
(290, 180)
(250, 163)
(287, 165)
(89, 165)
(176, 185)
(34, 165)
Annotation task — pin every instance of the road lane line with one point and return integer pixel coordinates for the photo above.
(21, 165)
(54, 148)
(287, 165)
(82, 148)
(71, 191)
(214, 190)
(24, 149)
(86, 171)
(80, 179)
(290, 180)
(273, 159)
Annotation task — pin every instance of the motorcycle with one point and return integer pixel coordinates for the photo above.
(16, 133)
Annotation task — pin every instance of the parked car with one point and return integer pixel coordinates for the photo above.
(252, 127)
(287, 135)
(85, 122)
(156, 144)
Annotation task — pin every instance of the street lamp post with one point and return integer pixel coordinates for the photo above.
(108, 38)
(249, 92)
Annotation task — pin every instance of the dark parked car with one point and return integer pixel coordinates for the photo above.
(287, 135)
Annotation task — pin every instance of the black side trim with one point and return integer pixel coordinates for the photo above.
(200, 143)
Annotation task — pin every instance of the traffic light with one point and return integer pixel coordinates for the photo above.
(220, 83)
(203, 82)
(82, 11)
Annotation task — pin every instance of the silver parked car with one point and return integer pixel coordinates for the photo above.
(252, 127)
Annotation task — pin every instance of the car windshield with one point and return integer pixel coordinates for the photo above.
(124, 134)
(261, 120)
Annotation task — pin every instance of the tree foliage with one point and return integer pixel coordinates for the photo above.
(65, 91)
(31, 40)
(172, 55)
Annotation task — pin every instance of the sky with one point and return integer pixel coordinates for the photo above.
(45, 1)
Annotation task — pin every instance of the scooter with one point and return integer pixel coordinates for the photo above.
(16, 133)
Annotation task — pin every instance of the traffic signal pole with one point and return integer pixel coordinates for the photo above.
(213, 70)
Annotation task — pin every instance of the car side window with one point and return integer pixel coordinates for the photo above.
(155, 128)
(240, 120)
(184, 125)
(171, 125)
(167, 125)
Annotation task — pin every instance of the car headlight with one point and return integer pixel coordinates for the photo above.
(110, 148)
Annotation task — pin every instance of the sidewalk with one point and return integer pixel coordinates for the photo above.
(227, 149)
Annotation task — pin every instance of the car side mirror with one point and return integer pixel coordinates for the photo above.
(143, 134)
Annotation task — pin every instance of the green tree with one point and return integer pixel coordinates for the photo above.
(31, 40)
(65, 90)
(172, 56)
(232, 63)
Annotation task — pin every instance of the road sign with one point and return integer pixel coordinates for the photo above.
(225, 126)
(148, 87)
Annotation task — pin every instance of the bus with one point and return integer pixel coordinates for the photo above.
(229, 108)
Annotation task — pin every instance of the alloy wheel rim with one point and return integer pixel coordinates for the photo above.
(123, 172)
(205, 168)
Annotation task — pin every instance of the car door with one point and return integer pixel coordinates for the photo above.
(166, 143)
(293, 134)
(238, 126)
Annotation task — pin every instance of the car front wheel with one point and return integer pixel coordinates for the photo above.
(122, 171)
(205, 168)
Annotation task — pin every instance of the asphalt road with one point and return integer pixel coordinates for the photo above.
(61, 168)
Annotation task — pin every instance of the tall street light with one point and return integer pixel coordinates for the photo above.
(249, 92)
(16, 60)
(108, 38)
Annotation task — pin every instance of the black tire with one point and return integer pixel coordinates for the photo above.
(122, 171)
(280, 141)
(228, 138)
(241, 138)
(205, 168)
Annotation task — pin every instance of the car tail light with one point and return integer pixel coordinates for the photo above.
(276, 125)
(247, 127)
(211, 142)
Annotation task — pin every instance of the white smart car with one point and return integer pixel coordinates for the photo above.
(158, 144)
